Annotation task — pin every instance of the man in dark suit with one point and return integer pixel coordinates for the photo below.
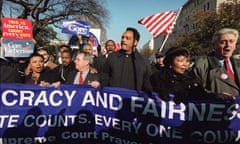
(127, 68)
(83, 73)
(67, 65)
(99, 61)
(216, 75)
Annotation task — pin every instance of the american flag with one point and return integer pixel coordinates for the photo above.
(159, 23)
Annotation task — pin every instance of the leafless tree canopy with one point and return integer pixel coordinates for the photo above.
(52, 12)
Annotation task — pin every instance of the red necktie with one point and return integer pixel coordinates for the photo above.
(81, 78)
(228, 69)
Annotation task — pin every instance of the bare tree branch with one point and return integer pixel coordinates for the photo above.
(52, 12)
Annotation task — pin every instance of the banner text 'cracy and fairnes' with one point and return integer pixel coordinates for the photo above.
(73, 114)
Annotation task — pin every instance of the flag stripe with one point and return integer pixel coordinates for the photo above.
(163, 25)
(161, 20)
(159, 23)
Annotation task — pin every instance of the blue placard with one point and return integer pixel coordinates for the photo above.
(76, 27)
(17, 47)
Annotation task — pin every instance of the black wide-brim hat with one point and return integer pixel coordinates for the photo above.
(174, 52)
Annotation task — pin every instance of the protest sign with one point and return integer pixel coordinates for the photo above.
(17, 47)
(14, 28)
(93, 40)
(82, 114)
(76, 27)
(17, 37)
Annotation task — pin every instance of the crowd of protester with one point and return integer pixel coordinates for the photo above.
(209, 77)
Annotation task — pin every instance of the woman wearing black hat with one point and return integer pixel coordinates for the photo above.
(173, 79)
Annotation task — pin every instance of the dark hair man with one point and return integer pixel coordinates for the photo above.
(126, 68)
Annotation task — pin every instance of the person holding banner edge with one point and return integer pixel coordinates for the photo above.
(38, 74)
(174, 82)
(83, 73)
(213, 72)
(172, 79)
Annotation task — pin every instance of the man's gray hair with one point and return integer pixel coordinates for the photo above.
(224, 31)
(87, 56)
